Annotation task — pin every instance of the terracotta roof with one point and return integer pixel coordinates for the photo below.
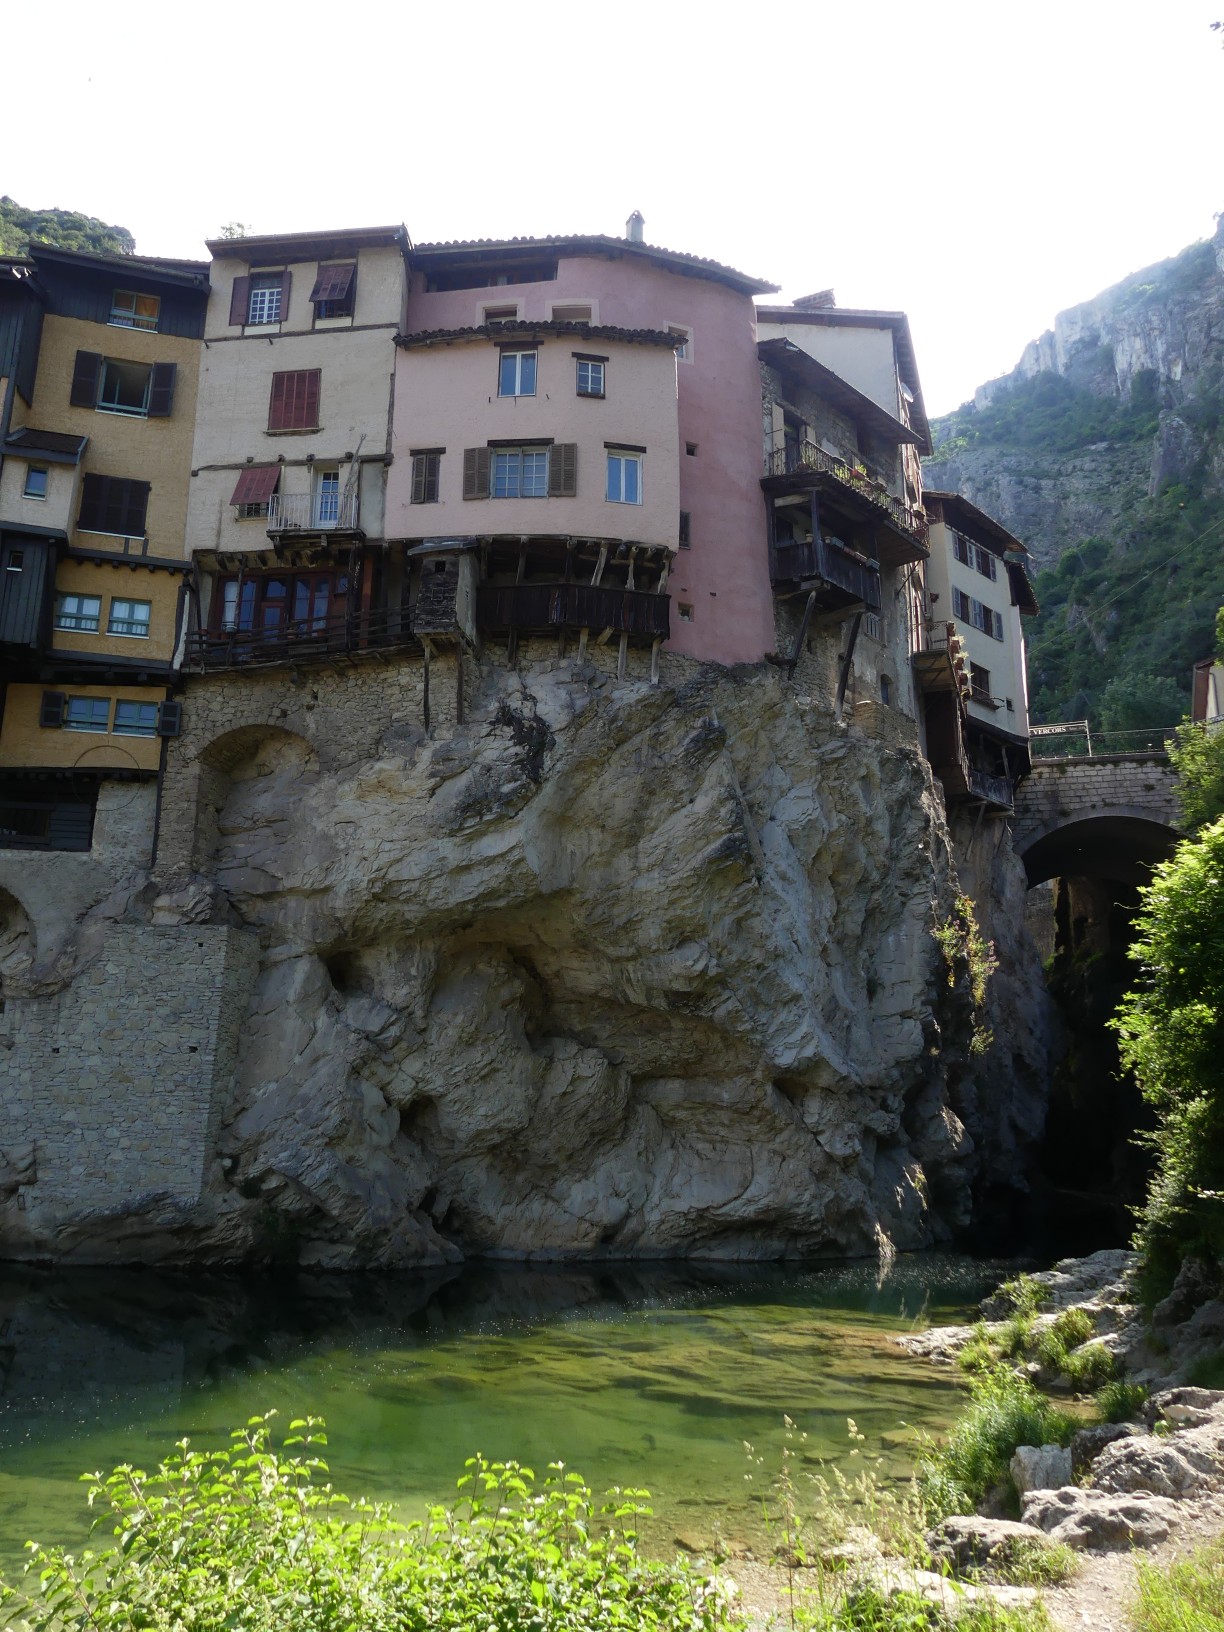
(855, 404)
(518, 327)
(697, 266)
(308, 246)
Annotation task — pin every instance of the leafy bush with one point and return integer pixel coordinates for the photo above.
(1187, 1596)
(1197, 755)
(1005, 1411)
(1120, 1402)
(1089, 1368)
(1137, 701)
(248, 1539)
(66, 228)
(1171, 1035)
(1025, 1293)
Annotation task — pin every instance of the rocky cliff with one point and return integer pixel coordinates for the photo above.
(602, 968)
(1103, 451)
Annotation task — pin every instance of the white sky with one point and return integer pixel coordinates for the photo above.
(979, 165)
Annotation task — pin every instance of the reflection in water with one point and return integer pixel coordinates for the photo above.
(648, 1375)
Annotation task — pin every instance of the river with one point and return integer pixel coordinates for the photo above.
(648, 1375)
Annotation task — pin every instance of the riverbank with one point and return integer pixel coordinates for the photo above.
(1131, 1485)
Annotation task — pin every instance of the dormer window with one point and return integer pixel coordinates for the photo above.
(132, 311)
(332, 295)
(266, 298)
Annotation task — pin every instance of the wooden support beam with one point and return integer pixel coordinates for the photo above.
(801, 637)
(844, 677)
(654, 659)
(512, 640)
(622, 656)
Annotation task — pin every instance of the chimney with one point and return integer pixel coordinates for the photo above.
(821, 302)
(634, 227)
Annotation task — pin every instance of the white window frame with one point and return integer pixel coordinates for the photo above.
(504, 357)
(619, 460)
(684, 353)
(137, 730)
(121, 317)
(36, 470)
(593, 369)
(260, 298)
(78, 621)
(124, 409)
(500, 311)
(516, 465)
(91, 726)
(129, 634)
(327, 496)
(558, 308)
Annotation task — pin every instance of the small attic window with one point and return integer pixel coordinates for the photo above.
(132, 311)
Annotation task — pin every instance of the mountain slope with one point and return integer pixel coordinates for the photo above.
(65, 228)
(1104, 450)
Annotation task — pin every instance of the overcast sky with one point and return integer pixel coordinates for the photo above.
(976, 164)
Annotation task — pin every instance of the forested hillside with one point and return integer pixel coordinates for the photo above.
(1104, 451)
(63, 227)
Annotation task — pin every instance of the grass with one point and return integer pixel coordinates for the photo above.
(1184, 1597)
(1062, 1346)
(1120, 1402)
(866, 1609)
(1004, 1412)
(1207, 1371)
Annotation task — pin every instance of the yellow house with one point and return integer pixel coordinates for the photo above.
(99, 366)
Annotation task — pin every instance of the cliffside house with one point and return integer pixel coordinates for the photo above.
(577, 417)
(970, 658)
(1207, 690)
(98, 367)
(285, 519)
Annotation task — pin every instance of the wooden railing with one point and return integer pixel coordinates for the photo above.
(996, 790)
(573, 606)
(810, 456)
(796, 560)
(303, 640)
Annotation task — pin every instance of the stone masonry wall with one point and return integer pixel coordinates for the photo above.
(1067, 790)
(112, 1087)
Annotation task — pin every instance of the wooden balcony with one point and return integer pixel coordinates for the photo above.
(46, 824)
(851, 578)
(940, 663)
(995, 791)
(310, 640)
(806, 464)
(574, 606)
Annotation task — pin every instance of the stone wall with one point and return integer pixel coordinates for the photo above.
(112, 1088)
(1072, 790)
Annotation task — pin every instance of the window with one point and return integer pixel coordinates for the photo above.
(255, 486)
(685, 336)
(520, 473)
(332, 295)
(690, 449)
(14, 561)
(132, 311)
(516, 374)
(979, 681)
(976, 613)
(326, 498)
(297, 603)
(501, 314)
(973, 555)
(124, 388)
(78, 612)
(571, 314)
(294, 403)
(624, 478)
(129, 618)
(885, 690)
(686, 530)
(135, 719)
(426, 470)
(87, 714)
(685, 611)
(266, 299)
(113, 504)
(114, 386)
(590, 377)
(35, 482)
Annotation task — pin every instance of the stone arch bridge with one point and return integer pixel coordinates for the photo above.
(1097, 815)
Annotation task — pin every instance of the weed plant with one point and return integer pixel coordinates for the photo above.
(1187, 1596)
(250, 1539)
(1005, 1411)
(1120, 1402)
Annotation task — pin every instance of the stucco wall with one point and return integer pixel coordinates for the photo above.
(58, 509)
(446, 397)
(121, 582)
(724, 577)
(379, 294)
(24, 742)
(157, 451)
(862, 356)
(1005, 658)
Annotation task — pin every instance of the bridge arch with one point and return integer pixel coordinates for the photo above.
(1121, 844)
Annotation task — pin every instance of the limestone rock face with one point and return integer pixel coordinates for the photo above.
(1099, 1519)
(605, 969)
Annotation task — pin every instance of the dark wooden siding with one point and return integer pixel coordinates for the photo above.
(20, 332)
(25, 594)
(88, 295)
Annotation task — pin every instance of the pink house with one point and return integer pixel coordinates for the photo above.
(584, 412)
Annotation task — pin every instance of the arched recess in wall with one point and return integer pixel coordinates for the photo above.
(250, 778)
(17, 946)
(1123, 845)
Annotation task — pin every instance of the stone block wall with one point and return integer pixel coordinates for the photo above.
(113, 1087)
(1068, 790)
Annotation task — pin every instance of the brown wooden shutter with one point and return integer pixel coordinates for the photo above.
(131, 503)
(240, 301)
(161, 391)
(170, 719)
(563, 470)
(309, 396)
(286, 278)
(51, 714)
(333, 282)
(419, 463)
(476, 465)
(94, 490)
(256, 484)
(277, 417)
(84, 392)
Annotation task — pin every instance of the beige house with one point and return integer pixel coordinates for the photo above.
(285, 518)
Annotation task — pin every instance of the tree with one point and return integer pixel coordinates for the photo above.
(1171, 1035)
(1140, 702)
(235, 229)
(1197, 755)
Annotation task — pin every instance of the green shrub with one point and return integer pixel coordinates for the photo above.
(1090, 1367)
(1120, 1402)
(1025, 1293)
(1187, 1596)
(249, 1539)
(1197, 755)
(1207, 1371)
(1005, 1411)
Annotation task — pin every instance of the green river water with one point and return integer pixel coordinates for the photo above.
(644, 1375)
